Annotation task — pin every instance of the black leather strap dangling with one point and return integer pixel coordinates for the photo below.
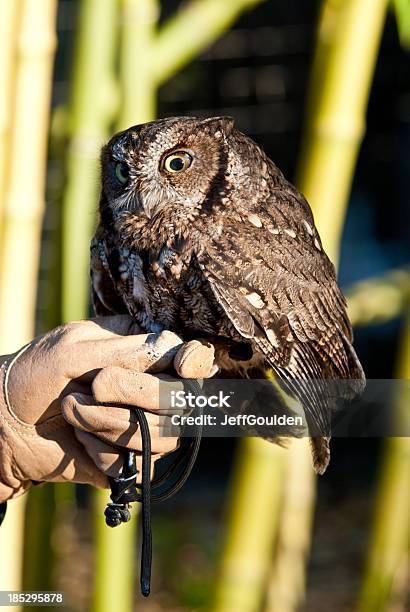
(124, 490)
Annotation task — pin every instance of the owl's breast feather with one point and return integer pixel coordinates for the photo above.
(166, 289)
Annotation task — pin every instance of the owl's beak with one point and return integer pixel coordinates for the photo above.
(148, 210)
(150, 204)
(143, 204)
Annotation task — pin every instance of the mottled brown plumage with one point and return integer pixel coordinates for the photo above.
(200, 233)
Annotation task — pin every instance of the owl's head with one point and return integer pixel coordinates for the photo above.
(178, 162)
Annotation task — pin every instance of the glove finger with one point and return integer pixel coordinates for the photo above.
(120, 386)
(118, 426)
(195, 359)
(142, 352)
(110, 326)
(107, 459)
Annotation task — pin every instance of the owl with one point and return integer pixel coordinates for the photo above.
(201, 234)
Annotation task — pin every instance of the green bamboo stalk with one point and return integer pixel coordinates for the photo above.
(349, 39)
(192, 30)
(38, 558)
(49, 295)
(402, 10)
(138, 44)
(252, 519)
(12, 540)
(286, 585)
(24, 199)
(22, 218)
(91, 111)
(115, 571)
(388, 554)
(9, 18)
(379, 299)
(114, 578)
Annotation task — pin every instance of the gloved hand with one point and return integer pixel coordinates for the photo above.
(52, 424)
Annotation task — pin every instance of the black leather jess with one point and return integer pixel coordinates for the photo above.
(125, 489)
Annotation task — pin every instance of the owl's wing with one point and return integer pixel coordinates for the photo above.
(105, 299)
(277, 286)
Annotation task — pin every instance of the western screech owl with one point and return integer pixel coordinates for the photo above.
(201, 234)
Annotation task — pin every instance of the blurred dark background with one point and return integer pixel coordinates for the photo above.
(258, 73)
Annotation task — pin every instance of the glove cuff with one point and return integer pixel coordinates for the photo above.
(11, 484)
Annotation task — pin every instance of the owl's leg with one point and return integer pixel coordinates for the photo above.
(158, 270)
(168, 261)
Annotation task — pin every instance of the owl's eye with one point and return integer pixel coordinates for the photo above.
(177, 161)
(122, 172)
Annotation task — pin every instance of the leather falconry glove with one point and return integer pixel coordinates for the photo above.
(60, 413)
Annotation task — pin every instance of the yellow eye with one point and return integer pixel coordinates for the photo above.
(177, 161)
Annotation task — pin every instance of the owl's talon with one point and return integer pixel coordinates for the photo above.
(176, 270)
(158, 270)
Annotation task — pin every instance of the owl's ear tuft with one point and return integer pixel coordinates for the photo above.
(219, 124)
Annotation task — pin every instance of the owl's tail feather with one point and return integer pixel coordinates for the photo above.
(320, 453)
